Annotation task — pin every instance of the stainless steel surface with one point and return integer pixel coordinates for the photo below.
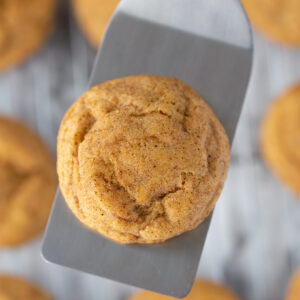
(210, 19)
(172, 42)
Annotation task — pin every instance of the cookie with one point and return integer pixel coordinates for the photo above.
(13, 288)
(93, 17)
(280, 138)
(142, 159)
(28, 183)
(202, 289)
(293, 292)
(24, 27)
(278, 19)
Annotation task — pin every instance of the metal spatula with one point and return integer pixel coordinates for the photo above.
(206, 44)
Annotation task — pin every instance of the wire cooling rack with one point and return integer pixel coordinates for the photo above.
(253, 243)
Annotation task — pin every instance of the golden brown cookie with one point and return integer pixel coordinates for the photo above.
(13, 288)
(278, 19)
(93, 17)
(28, 183)
(202, 289)
(142, 159)
(24, 27)
(280, 138)
(293, 292)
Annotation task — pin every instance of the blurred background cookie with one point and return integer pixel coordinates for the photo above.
(278, 19)
(28, 183)
(280, 138)
(13, 288)
(293, 292)
(24, 27)
(202, 289)
(93, 17)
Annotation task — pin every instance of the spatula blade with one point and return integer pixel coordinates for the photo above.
(219, 72)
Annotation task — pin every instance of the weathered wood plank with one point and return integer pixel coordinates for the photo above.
(253, 242)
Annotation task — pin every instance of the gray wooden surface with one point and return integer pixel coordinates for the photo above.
(253, 243)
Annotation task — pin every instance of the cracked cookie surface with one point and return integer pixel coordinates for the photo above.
(93, 17)
(202, 289)
(13, 288)
(24, 26)
(280, 138)
(278, 19)
(28, 183)
(142, 159)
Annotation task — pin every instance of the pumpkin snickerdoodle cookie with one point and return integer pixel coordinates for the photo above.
(142, 159)
(93, 17)
(28, 183)
(280, 138)
(13, 288)
(202, 289)
(24, 27)
(278, 19)
(293, 292)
